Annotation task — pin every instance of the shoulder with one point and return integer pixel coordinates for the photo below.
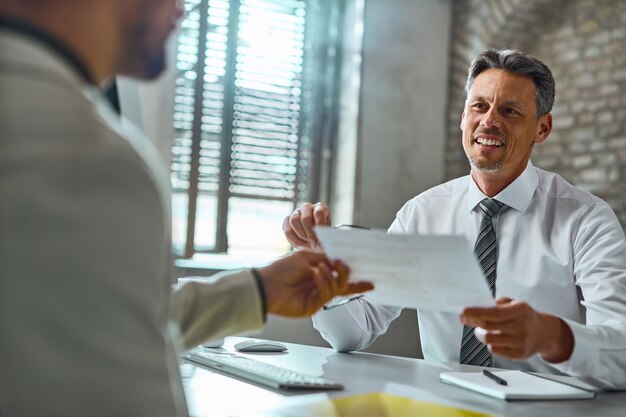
(588, 214)
(556, 188)
(423, 211)
(456, 188)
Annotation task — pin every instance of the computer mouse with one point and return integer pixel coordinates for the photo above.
(257, 345)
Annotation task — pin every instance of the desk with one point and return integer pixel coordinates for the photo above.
(212, 394)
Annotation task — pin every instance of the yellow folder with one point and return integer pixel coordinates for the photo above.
(376, 404)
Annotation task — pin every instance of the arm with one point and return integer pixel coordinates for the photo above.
(595, 350)
(294, 286)
(355, 325)
(224, 304)
(599, 352)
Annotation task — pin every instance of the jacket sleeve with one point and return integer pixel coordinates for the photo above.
(224, 304)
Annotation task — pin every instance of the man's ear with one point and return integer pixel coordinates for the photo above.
(462, 119)
(544, 127)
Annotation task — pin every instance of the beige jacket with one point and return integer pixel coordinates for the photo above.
(88, 322)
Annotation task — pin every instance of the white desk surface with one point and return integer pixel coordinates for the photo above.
(213, 394)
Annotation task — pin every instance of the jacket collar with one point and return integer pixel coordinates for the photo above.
(48, 41)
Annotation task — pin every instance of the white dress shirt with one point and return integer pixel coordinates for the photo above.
(560, 249)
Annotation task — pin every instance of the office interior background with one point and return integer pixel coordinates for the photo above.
(357, 103)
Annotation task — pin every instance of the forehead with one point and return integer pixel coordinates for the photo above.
(500, 84)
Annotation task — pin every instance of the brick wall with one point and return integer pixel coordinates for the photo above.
(584, 43)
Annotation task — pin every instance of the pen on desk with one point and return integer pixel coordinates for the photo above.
(342, 302)
(495, 377)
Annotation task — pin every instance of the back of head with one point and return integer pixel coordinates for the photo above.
(517, 62)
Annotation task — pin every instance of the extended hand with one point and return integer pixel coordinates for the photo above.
(299, 284)
(298, 226)
(515, 330)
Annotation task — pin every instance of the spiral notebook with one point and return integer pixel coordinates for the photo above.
(520, 386)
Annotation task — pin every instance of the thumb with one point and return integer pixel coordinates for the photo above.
(356, 287)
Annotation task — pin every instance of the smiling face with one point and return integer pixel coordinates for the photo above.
(500, 127)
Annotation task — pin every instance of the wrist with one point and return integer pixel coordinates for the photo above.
(262, 295)
(559, 340)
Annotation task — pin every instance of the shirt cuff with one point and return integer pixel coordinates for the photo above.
(584, 357)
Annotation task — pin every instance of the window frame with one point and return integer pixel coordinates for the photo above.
(321, 122)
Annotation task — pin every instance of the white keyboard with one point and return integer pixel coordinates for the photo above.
(260, 372)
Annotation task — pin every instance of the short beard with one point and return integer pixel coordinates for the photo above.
(138, 60)
(489, 167)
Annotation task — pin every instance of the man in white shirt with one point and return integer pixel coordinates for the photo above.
(561, 256)
(89, 325)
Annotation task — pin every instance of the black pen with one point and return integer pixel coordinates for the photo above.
(495, 377)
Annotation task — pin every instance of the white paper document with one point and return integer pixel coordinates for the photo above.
(429, 272)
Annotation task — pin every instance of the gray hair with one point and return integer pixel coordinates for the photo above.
(517, 62)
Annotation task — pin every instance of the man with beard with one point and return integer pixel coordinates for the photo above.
(553, 255)
(88, 323)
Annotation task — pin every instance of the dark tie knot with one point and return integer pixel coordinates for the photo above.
(490, 207)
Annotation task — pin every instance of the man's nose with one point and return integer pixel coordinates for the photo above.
(490, 119)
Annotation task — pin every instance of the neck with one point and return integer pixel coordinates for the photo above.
(492, 183)
(87, 28)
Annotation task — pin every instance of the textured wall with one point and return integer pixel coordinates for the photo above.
(584, 43)
(403, 103)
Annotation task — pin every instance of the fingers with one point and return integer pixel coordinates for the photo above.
(505, 311)
(321, 214)
(329, 277)
(357, 287)
(312, 257)
(514, 345)
(306, 221)
(299, 226)
(349, 287)
(490, 326)
(332, 280)
(292, 236)
(509, 346)
(509, 352)
(511, 329)
(343, 273)
(500, 340)
(322, 282)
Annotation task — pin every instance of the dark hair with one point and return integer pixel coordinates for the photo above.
(517, 62)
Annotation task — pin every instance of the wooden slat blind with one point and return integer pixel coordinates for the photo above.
(241, 110)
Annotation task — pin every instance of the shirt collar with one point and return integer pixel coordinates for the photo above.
(517, 195)
(51, 42)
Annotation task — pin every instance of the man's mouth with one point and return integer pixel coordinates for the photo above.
(488, 141)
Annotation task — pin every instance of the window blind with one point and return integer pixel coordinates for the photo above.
(246, 95)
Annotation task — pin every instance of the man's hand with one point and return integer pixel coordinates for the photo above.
(516, 331)
(299, 284)
(298, 226)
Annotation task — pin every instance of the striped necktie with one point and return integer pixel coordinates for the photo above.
(473, 352)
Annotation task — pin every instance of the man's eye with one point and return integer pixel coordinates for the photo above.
(510, 110)
(479, 106)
